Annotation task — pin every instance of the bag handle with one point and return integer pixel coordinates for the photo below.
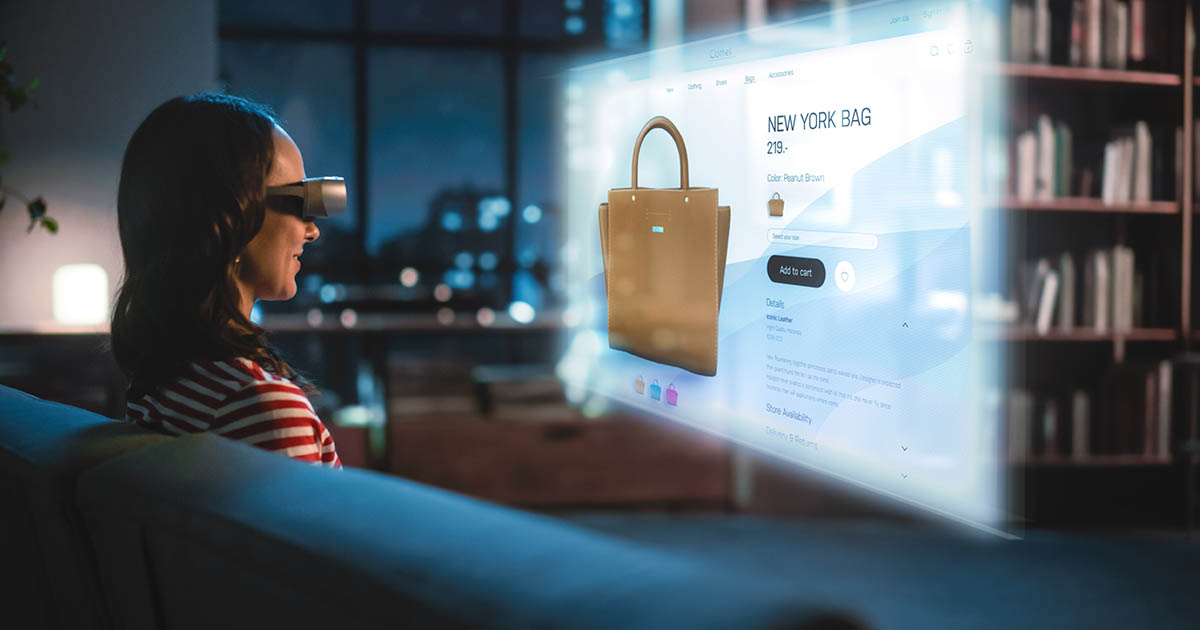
(661, 122)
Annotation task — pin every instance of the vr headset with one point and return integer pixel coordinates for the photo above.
(322, 196)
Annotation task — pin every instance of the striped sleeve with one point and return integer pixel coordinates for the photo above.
(275, 415)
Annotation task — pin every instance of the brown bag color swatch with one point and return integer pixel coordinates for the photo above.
(775, 205)
(664, 266)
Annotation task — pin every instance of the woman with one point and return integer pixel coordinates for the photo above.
(203, 238)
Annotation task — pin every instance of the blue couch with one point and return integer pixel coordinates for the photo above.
(112, 526)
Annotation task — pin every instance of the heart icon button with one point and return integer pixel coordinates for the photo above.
(844, 276)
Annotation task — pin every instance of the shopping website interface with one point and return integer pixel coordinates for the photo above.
(840, 334)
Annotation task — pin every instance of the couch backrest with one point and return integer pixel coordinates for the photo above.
(49, 576)
(204, 532)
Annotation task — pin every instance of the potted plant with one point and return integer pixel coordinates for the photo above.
(17, 96)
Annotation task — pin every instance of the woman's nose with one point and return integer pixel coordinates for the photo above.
(311, 232)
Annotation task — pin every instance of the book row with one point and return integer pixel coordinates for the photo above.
(1102, 290)
(1136, 165)
(1128, 414)
(1085, 33)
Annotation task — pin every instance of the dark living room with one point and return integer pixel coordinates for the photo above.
(354, 314)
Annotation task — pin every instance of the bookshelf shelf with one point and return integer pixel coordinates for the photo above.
(1087, 75)
(1081, 335)
(1089, 204)
(1096, 461)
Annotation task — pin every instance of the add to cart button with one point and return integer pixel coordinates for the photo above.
(804, 272)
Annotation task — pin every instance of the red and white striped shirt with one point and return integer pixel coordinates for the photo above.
(241, 401)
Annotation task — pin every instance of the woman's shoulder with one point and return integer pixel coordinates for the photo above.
(209, 391)
(240, 377)
(247, 390)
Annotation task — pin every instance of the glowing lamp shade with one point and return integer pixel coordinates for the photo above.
(80, 294)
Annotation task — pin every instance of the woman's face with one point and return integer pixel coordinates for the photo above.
(268, 266)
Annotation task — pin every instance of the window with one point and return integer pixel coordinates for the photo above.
(436, 132)
(308, 85)
(441, 117)
(463, 17)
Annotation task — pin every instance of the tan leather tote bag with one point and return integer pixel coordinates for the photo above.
(664, 266)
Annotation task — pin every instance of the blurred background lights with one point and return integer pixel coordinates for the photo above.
(498, 206)
(464, 260)
(409, 277)
(328, 293)
(487, 261)
(527, 257)
(80, 294)
(526, 288)
(574, 25)
(348, 317)
(445, 316)
(572, 5)
(441, 293)
(357, 416)
(521, 312)
(256, 315)
(623, 23)
(314, 317)
(488, 222)
(452, 221)
(485, 316)
(572, 316)
(532, 214)
(459, 278)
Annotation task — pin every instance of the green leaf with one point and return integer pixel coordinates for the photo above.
(37, 209)
(33, 84)
(50, 224)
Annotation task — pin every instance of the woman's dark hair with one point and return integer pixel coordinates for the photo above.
(192, 195)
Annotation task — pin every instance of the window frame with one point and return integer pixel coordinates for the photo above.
(361, 38)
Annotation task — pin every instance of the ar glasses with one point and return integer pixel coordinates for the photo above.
(323, 196)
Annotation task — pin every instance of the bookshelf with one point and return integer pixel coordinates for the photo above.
(1119, 374)
(1086, 75)
(1096, 461)
(1078, 335)
(1089, 204)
